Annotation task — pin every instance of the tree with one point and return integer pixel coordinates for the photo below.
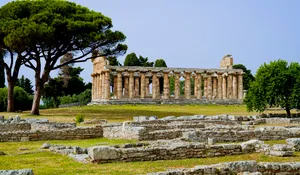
(145, 62)
(160, 63)
(247, 78)
(132, 60)
(52, 28)
(26, 84)
(276, 84)
(2, 77)
(113, 61)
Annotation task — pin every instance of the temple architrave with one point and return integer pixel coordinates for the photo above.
(130, 84)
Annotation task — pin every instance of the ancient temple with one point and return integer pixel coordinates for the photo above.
(130, 84)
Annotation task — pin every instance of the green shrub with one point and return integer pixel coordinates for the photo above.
(79, 118)
(22, 100)
(83, 98)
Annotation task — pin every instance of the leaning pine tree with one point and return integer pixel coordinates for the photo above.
(276, 84)
(53, 28)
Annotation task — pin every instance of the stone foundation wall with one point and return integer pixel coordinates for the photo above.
(10, 127)
(52, 126)
(234, 168)
(264, 133)
(64, 134)
(179, 150)
(282, 120)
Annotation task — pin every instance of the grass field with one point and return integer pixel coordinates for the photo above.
(47, 163)
(117, 113)
(44, 162)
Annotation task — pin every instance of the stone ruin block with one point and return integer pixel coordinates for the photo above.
(294, 142)
(281, 150)
(17, 172)
(1, 119)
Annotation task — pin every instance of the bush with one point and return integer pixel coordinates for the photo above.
(79, 118)
(83, 98)
(22, 100)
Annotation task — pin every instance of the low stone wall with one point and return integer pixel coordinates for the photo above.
(122, 131)
(10, 127)
(280, 115)
(162, 150)
(263, 133)
(282, 120)
(234, 168)
(64, 134)
(52, 126)
(16, 172)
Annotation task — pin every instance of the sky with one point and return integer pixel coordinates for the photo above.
(198, 33)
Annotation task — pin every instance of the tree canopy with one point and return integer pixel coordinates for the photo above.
(132, 60)
(247, 78)
(26, 84)
(160, 63)
(41, 32)
(276, 84)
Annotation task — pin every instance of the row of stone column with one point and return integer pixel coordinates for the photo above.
(216, 85)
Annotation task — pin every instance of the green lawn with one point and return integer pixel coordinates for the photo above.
(45, 162)
(117, 113)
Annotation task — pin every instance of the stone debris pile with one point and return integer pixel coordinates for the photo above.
(16, 172)
(238, 168)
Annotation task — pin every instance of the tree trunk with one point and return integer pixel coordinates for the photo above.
(288, 111)
(10, 97)
(35, 110)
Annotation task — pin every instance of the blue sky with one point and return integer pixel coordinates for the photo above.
(198, 33)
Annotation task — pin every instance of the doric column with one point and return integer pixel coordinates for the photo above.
(98, 87)
(119, 85)
(102, 84)
(205, 87)
(126, 85)
(136, 86)
(131, 84)
(224, 86)
(215, 86)
(143, 85)
(209, 86)
(229, 86)
(158, 86)
(177, 85)
(107, 85)
(219, 96)
(115, 84)
(199, 86)
(154, 85)
(147, 85)
(234, 87)
(166, 85)
(187, 85)
(196, 82)
(94, 87)
(240, 88)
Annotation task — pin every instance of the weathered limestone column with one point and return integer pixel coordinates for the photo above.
(131, 84)
(187, 85)
(240, 88)
(209, 86)
(154, 85)
(147, 80)
(119, 85)
(219, 96)
(158, 87)
(177, 85)
(205, 87)
(196, 82)
(98, 87)
(126, 85)
(199, 84)
(234, 86)
(136, 86)
(215, 86)
(143, 85)
(115, 84)
(229, 86)
(107, 85)
(93, 87)
(166, 85)
(102, 84)
(224, 86)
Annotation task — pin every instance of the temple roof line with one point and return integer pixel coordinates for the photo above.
(158, 69)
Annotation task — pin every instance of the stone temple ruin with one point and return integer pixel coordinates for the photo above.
(132, 84)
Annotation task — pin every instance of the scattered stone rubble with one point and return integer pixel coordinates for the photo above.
(16, 172)
(238, 168)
